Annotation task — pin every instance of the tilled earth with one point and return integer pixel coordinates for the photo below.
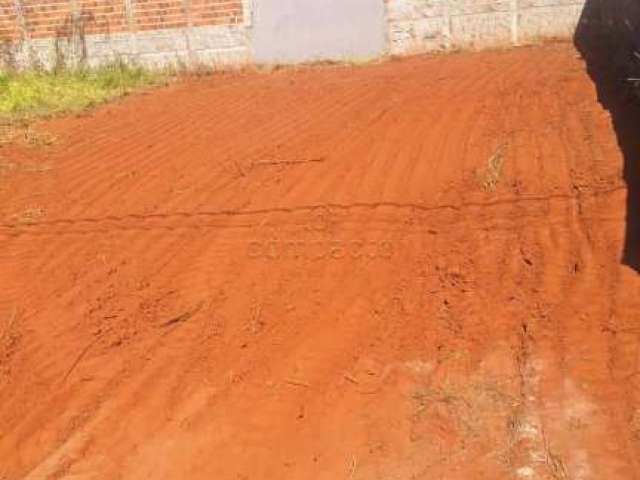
(407, 270)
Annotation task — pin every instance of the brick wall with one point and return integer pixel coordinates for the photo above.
(102, 16)
(8, 21)
(155, 32)
(48, 18)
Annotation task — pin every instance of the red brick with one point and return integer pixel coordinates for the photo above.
(50, 18)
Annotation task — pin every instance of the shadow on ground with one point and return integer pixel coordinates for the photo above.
(608, 38)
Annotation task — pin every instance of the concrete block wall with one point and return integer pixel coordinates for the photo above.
(428, 25)
(223, 32)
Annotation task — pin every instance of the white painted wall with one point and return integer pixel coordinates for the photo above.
(291, 31)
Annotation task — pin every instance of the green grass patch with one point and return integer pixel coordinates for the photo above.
(32, 94)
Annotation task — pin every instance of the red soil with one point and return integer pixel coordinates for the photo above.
(314, 274)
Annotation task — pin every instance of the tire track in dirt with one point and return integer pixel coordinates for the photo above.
(177, 220)
(552, 427)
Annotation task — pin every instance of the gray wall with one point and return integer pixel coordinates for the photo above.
(290, 31)
(428, 25)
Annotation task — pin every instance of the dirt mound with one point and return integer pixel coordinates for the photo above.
(406, 270)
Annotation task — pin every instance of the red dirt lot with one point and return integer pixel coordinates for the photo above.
(409, 270)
